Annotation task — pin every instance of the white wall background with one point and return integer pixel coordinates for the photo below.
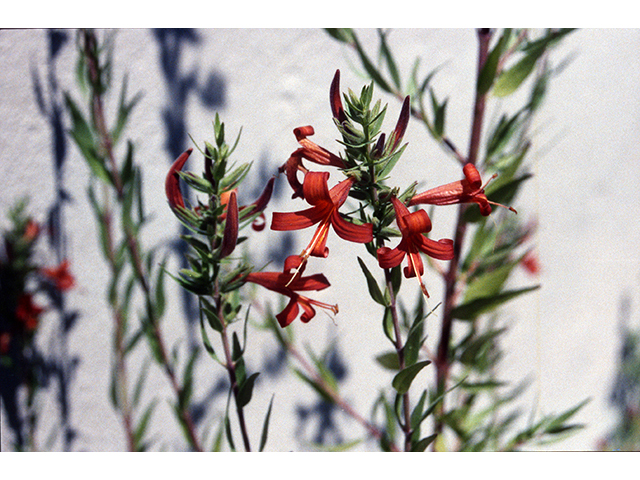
(566, 335)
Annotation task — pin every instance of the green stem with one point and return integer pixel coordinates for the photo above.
(231, 370)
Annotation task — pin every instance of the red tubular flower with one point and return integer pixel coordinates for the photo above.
(27, 312)
(325, 212)
(403, 121)
(230, 237)
(60, 276)
(172, 183)
(469, 189)
(335, 100)
(311, 152)
(288, 283)
(412, 226)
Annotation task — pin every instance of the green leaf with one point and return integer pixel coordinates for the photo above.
(124, 109)
(212, 317)
(488, 72)
(370, 68)
(205, 339)
(227, 429)
(509, 80)
(422, 445)
(489, 283)
(389, 360)
(374, 289)
(314, 384)
(388, 57)
(387, 324)
(246, 390)
(416, 414)
(478, 306)
(142, 424)
(344, 35)
(265, 426)
(557, 425)
(402, 381)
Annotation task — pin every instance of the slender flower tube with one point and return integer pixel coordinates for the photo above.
(323, 212)
(172, 183)
(469, 189)
(412, 226)
(286, 283)
(309, 151)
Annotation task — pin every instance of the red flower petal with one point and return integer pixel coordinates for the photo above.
(172, 182)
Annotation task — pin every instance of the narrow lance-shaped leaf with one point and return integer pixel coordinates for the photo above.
(470, 310)
(509, 81)
(265, 427)
(246, 390)
(374, 289)
(402, 381)
(388, 57)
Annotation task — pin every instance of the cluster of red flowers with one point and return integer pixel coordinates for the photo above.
(325, 203)
(27, 312)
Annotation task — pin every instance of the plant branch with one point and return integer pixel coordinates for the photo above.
(90, 52)
(451, 278)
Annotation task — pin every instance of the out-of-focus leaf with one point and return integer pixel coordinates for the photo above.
(402, 381)
(389, 360)
(488, 283)
(488, 72)
(265, 427)
(344, 35)
(388, 57)
(138, 434)
(370, 68)
(124, 109)
(314, 384)
(470, 310)
(509, 80)
(422, 445)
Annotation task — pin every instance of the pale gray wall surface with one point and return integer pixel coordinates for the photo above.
(584, 195)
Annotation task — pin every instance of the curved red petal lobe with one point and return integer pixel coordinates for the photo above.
(259, 223)
(283, 221)
(262, 201)
(350, 231)
(314, 282)
(315, 188)
(472, 176)
(415, 262)
(389, 258)
(309, 312)
(417, 222)
(340, 192)
(172, 182)
(289, 314)
(440, 250)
